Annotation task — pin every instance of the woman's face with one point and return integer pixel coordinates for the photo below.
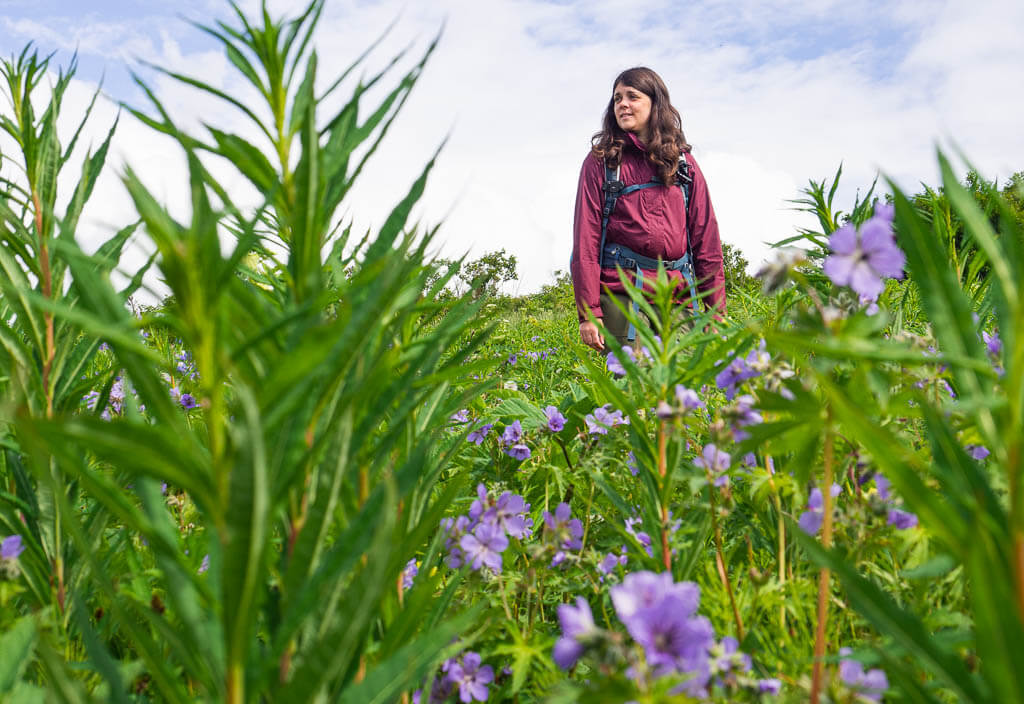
(632, 110)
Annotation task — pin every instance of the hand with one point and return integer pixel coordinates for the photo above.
(591, 335)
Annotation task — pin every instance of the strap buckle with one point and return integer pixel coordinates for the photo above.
(614, 187)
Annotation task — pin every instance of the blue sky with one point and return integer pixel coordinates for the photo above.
(772, 93)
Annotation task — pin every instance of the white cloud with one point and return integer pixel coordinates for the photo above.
(772, 94)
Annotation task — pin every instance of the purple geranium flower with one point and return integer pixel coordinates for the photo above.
(992, 342)
(714, 461)
(11, 547)
(471, 678)
(688, 399)
(187, 401)
(518, 451)
(602, 419)
(902, 520)
(409, 573)
(483, 547)
(204, 565)
(556, 421)
(577, 624)
(978, 452)
(861, 259)
(509, 514)
(810, 520)
(460, 416)
(641, 537)
(513, 434)
(566, 532)
(733, 375)
(478, 435)
(871, 684)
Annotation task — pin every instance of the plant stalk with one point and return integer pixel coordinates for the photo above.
(823, 576)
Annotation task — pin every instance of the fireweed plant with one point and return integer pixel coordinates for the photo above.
(308, 475)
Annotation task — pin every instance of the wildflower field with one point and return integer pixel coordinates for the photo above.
(316, 472)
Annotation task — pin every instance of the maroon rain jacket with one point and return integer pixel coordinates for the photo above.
(650, 222)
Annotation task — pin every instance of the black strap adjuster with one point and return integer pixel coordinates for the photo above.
(613, 187)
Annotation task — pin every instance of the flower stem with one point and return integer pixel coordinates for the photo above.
(720, 562)
(823, 576)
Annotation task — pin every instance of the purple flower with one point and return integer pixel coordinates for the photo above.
(978, 452)
(882, 484)
(769, 686)
(810, 520)
(204, 565)
(518, 452)
(460, 416)
(511, 359)
(688, 399)
(614, 365)
(11, 547)
(577, 625)
(661, 616)
(565, 532)
(509, 514)
(601, 420)
(902, 520)
(641, 590)
(992, 342)
(471, 678)
(862, 259)
(409, 573)
(478, 435)
(455, 529)
(187, 401)
(556, 421)
(631, 464)
(714, 461)
(733, 375)
(871, 684)
(640, 536)
(513, 434)
(483, 547)
(610, 562)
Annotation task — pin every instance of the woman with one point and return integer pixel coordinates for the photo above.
(642, 141)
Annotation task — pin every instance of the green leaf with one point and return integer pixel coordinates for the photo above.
(16, 646)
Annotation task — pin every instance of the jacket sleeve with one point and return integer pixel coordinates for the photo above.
(586, 240)
(705, 243)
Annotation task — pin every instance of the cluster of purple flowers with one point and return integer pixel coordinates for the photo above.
(480, 537)
(862, 258)
(661, 617)
(186, 366)
(562, 531)
(115, 400)
(869, 685)
(465, 675)
(603, 419)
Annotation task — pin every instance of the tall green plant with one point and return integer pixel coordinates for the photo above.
(324, 401)
(44, 356)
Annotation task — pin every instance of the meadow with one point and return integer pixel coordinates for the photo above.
(327, 468)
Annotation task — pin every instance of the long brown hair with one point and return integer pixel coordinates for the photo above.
(665, 128)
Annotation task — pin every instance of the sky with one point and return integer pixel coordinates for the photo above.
(773, 93)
